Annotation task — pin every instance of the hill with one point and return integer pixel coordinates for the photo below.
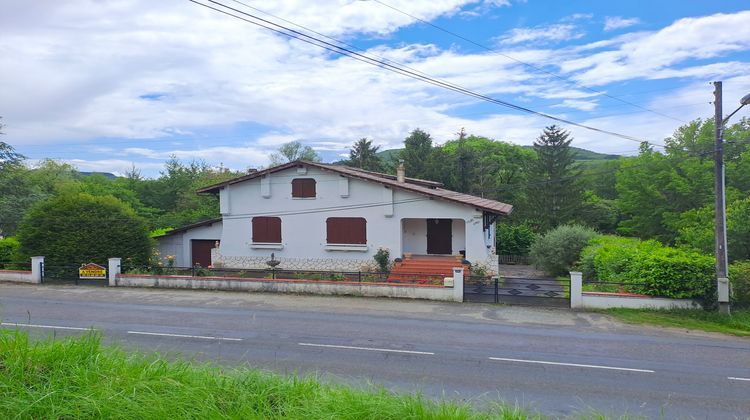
(581, 154)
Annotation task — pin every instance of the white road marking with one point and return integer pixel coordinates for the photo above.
(503, 359)
(205, 337)
(57, 327)
(365, 348)
(733, 378)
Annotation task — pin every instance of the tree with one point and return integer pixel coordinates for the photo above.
(364, 155)
(416, 153)
(8, 156)
(554, 196)
(75, 228)
(289, 152)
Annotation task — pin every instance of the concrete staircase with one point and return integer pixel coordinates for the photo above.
(425, 269)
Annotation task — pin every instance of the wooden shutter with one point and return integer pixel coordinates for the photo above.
(346, 230)
(303, 188)
(267, 230)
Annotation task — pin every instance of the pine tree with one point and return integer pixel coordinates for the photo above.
(554, 196)
(364, 155)
(416, 153)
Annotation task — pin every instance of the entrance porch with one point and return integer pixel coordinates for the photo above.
(433, 236)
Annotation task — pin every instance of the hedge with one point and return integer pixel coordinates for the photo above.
(558, 250)
(647, 267)
(739, 276)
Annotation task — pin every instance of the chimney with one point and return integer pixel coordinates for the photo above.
(401, 171)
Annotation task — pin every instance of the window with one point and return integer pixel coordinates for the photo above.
(267, 230)
(346, 230)
(303, 188)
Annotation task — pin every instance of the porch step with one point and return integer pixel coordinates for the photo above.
(425, 269)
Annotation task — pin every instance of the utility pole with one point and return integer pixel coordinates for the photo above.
(722, 280)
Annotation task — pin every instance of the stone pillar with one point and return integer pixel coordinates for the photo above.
(576, 290)
(458, 284)
(113, 271)
(37, 269)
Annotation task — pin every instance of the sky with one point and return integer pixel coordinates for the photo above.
(110, 84)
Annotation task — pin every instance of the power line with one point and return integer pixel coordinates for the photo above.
(390, 67)
(537, 68)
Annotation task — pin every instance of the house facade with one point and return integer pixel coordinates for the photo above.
(317, 216)
(191, 245)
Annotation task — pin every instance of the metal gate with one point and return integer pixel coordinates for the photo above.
(67, 274)
(548, 292)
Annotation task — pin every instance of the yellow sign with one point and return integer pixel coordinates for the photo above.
(92, 271)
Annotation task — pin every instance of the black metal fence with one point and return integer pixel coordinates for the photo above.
(287, 274)
(15, 265)
(514, 259)
(68, 274)
(520, 291)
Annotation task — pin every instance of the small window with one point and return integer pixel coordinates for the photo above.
(346, 230)
(267, 230)
(303, 188)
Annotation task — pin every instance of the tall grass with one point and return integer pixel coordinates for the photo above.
(79, 378)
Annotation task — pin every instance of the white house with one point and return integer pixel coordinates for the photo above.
(318, 216)
(191, 244)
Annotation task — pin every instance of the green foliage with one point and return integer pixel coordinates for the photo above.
(648, 267)
(9, 253)
(76, 228)
(383, 259)
(514, 239)
(557, 251)
(416, 153)
(739, 276)
(695, 228)
(555, 196)
(79, 378)
(693, 319)
(364, 155)
(289, 152)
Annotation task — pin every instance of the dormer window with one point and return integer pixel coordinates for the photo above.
(303, 188)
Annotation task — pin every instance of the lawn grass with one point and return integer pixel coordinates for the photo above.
(80, 378)
(694, 319)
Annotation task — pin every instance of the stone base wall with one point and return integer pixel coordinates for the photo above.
(316, 264)
(17, 276)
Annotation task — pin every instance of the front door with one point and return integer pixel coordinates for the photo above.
(201, 250)
(439, 236)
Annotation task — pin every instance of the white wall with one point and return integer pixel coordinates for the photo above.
(179, 243)
(17, 276)
(304, 235)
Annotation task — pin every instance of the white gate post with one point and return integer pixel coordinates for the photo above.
(37, 267)
(458, 284)
(576, 289)
(114, 270)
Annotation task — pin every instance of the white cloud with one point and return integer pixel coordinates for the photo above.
(552, 33)
(577, 104)
(617, 22)
(645, 54)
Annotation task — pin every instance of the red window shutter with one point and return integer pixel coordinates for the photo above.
(303, 188)
(267, 229)
(346, 230)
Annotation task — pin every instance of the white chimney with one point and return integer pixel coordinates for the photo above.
(401, 171)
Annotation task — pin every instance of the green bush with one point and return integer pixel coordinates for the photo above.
(608, 258)
(9, 253)
(649, 268)
(514, 239)
(557, 251)
(674, 273)
(76, 228)
(739, 275)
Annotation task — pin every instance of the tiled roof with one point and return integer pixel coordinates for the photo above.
(419, 186)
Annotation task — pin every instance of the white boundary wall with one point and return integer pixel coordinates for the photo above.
(597, 300)
(409, 291)
(23, 276)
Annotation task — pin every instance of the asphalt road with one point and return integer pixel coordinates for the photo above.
(554, 361)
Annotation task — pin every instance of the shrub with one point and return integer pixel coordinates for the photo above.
(514, 239)
(648, 267)
(383, 258)
(739, 275)
(77, 228)
(557, 251)
(9, 253)
(674, 273)
(608, 258)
